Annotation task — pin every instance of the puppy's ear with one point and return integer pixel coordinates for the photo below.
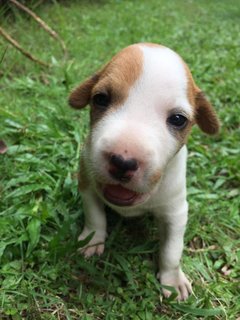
(206, 116)
(81, 95)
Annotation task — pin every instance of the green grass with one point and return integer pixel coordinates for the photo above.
(42, 276)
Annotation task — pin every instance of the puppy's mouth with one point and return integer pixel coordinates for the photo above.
(120, 196)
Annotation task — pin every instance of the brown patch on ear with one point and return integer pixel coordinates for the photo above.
(80, 96)
(206, 116)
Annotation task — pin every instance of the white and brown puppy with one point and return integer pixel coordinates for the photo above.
(143, 105)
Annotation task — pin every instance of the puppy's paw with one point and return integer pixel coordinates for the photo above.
(89, 251)
(95, 245)
(176, 279)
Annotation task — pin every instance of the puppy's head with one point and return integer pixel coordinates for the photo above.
(143, 105)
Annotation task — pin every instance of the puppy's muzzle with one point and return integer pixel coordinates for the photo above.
(122, 169)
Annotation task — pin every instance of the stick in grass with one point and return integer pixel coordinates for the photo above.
(43, 24)
(18, 47)
(3, 55)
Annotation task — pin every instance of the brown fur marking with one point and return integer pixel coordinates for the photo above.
(155, 177)
(80, 96)
(191, 86)
(205, 115)
(116, 79)
(182, 135)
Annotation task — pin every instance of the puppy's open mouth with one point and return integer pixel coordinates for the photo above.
(120, 196)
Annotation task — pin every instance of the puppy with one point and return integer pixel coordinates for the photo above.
(143, 104)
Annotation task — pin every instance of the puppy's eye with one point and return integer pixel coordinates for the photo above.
(178, 121)
(101, 100)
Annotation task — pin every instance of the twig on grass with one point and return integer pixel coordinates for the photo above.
(43, 24)
(210, 248)
(18, 47)
(3, 55)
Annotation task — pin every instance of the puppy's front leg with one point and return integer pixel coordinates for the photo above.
(171, 231)
(95, 222)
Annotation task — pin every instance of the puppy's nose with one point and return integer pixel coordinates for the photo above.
(122, 169)
(123, 164)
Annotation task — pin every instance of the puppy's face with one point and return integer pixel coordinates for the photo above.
(143, 105)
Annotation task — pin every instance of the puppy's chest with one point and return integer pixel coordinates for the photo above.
(129, 213)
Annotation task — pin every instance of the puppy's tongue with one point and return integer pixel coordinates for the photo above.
(119, 195)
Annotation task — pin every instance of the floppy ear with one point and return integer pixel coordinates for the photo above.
(80, 96)
(206, 116)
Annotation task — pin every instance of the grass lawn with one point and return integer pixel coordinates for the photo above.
(42, 276)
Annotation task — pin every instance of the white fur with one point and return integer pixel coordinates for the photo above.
(139, 126)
